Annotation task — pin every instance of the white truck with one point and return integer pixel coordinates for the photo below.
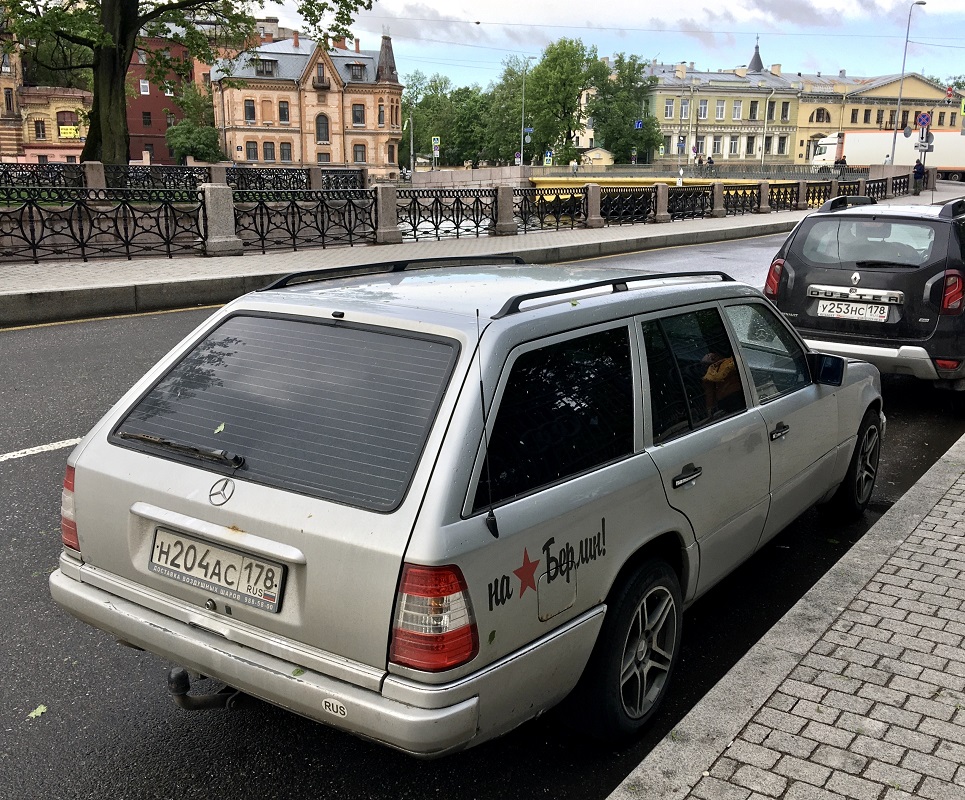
(864, 148)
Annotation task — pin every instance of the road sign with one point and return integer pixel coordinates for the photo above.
(663, 149)
(527, 130)
(436, 141)
(950, 92)
(924, 147)
(638, 124)
(924, 119)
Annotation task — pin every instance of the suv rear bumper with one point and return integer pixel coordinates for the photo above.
(422, 720)
(903, 360)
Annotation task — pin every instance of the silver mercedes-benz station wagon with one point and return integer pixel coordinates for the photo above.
(429, 502)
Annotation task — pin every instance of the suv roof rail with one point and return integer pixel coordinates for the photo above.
(952, 209)
(400, 265)
(843, 201)
(512, 306)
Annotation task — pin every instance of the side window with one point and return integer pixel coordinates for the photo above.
(694, 353)
(567, 408)
(776, 361)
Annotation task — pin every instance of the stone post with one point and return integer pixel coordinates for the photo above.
(889, 187)
(505, 224)
(315, 179)
(94, 175)
(220, 238)
(387, 213)
(765, 207)
(593, 217)
(802, 195)
(218, 173)
(834, 187)
(719, 210)
(862, 186)
(661, 212)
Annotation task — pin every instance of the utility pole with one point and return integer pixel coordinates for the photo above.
(411, 145)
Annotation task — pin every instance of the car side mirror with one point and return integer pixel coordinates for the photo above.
(827, 369)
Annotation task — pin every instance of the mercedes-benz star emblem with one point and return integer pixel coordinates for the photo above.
(855, 278)
(221, 492)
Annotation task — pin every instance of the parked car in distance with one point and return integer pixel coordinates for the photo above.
(427, 503)
(882, 283)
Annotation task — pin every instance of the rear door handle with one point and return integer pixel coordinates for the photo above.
(689, 473)
(780, 431)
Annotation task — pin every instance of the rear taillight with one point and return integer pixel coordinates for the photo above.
(947, 363)
(773, 282)
(953, 294)
(434, 626)
(68, 525)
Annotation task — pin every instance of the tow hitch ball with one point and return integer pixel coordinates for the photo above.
(179, 684)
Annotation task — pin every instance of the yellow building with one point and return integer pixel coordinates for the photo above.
(303, 104)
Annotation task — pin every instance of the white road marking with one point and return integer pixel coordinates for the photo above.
(30, 451)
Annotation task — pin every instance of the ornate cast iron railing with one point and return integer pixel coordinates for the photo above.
(137, 176)
(742, 198)
(877, 188)
(625, 205)
(50, 175)
(445, 213)
(848, 188)
(818, 193)
(265, 179)
(784, 196)
(289, 220)
(65, 223)
(689, 202)
(549, 208)
(899, 185)
(343, 179)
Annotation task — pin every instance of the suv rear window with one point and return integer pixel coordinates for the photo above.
(866, 241)
(330, 410)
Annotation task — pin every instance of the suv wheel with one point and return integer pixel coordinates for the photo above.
(854, 494)
(639, 644)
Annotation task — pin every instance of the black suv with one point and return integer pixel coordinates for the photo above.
(885, 284)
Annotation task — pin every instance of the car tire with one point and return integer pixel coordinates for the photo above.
(634, 658)
(855, 491)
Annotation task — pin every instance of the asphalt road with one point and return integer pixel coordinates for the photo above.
(110, 730)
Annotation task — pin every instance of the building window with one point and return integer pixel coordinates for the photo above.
(71, 159)
(666, 145)
(737, 110)
(668, 108)
(717, 145)
(321, 128)
(867, 116)
(904, 119)
(684, 108)
(141, 56)
(149, 149)
(699, 144)
(357, 71)
(170, 120)
(42, 159)
(206, 78)
(753, 112)
(952, 116)
(285, 149)
(283, 111)
(771, 105)
(250, 112)
(785, 111)
(820, 115)
(251, 151)
(358, 114)
(320, 71)
(145, 86)
(169, 90)
(733, 145)
(391, 154)
(146, 119)
(40, 129)
(782, 145)
(750, 145)
(941, 118)
(324, 158)
(8, 99)
(767, 145)
(264, 69)
(721, 106)
(892, 118)
(701, 109)
(358, 153)
(381, 115)
(268, 148)
(880, 116)
(854, 116)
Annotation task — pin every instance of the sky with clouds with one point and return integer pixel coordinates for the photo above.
(469, 41)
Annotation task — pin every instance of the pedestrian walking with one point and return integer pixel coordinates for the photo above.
(919, 175)
(887, 159)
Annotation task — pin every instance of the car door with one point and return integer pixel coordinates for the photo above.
(708, 443)
(801, 415)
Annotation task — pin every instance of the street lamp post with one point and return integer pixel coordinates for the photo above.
(901, 83)
(522, 121)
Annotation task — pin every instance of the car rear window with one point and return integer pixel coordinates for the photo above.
(331, 410)
(867, 241)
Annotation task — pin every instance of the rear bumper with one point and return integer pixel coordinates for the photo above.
(903, 360)
(419, 719)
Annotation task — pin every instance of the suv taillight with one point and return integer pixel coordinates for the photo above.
(434, 626)
(953, 294)
(773, 282)
(68, 526)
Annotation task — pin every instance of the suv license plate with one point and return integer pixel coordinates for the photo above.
(872, 312)
(236, 576)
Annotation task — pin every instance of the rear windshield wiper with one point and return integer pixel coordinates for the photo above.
(221, 456)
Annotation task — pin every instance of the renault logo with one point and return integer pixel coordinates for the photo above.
(855, 279)
(221, 492)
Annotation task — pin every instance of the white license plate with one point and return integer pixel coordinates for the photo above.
(233, 575)
(872, 312)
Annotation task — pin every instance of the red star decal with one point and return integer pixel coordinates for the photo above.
(526, 574)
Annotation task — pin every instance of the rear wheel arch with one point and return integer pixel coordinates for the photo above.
(668, 547)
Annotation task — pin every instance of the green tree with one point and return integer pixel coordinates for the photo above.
(502, 127)
(104, 33)
(557, 85)
(617, 104)
(195, 135)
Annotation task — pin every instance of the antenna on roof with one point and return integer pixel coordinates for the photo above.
(490, 517)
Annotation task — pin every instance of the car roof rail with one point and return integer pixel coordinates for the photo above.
(952, 209)
(512, 306)
(843, 201)
(384, 267)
